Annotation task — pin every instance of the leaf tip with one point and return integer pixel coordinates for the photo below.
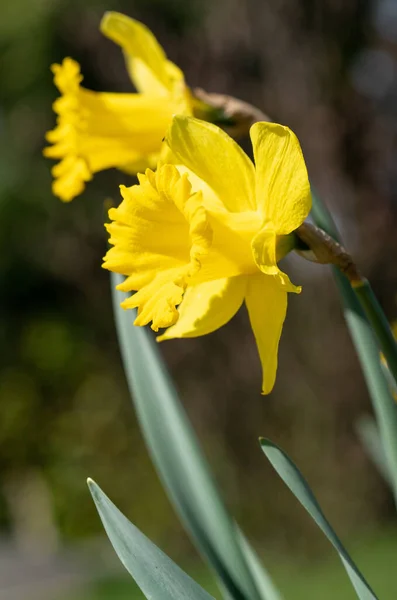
(93, 487)
(264, 442)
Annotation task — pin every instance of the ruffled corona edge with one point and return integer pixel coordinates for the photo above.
(133, 232)
(72, 172)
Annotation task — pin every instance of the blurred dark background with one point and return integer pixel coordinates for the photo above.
(326, 68)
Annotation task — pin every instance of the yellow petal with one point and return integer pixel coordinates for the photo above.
(264, 252)
(96, 131)
(282, 184)
(148, 66)
(210, 199)
(159, 233)
(230, 253)
(267, 308)
(206, 307)
(70, 176)
(157, 300)
(215, 158)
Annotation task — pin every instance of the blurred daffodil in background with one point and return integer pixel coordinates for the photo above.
(99, 130)
(200, 236)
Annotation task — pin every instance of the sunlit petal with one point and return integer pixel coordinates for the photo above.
(282, 184)
(145, 58)
(215, 158)
(206, 307)
(264, 245)
(267, 306)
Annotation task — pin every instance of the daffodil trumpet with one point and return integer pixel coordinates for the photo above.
(202, 235)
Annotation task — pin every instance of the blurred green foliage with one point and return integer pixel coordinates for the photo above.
(63, 406)
(64, 409)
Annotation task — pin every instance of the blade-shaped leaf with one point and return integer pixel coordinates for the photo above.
(379, 324)
(181, 465)
(294, 479)
(155, 573)
(370, 438)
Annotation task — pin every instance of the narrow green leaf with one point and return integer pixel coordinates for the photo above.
(382, 401)
(380, 325)
(368, 353)
(181, 465)
(369, 435)
(155, 573)
(294, 479)
(389, 378)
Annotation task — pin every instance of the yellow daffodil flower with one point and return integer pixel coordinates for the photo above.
(204, 234)
(96, 131)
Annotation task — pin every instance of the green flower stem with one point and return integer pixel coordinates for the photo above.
(367, 350)
(379, 323)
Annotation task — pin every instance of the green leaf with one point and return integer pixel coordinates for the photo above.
(157, 575)
(368, 353)
(294, 479)
(369, 435)
(380, 325)
(181, 465)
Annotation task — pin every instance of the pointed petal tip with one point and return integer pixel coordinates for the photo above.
(105, 18)
(166, 336)
(176, 120)
(108, 16)
(270, 126)
(267, 389)
(178, 117)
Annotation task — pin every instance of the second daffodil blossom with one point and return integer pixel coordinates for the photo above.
(199, 237)
(98, 130)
